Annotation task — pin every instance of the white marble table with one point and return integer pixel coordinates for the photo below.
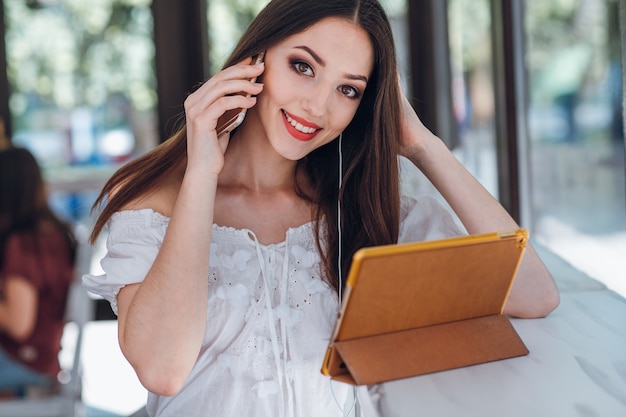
(576, 365)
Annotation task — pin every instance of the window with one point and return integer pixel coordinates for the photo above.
(227, 20)
(576, 133)
(472, 88)
(82, 84)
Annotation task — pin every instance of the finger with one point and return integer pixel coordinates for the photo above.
(233, 88)
(222, 82)
(206, 119)
(225, 89)
(220, 104)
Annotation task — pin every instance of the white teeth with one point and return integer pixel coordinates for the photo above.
(299, 127)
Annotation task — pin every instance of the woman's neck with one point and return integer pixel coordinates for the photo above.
(251, 162)
(257, 190)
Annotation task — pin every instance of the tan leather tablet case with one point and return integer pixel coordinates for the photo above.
(418, 308)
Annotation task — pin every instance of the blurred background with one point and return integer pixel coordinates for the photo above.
(527, 93)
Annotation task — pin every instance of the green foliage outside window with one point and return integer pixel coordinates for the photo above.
(70, 53)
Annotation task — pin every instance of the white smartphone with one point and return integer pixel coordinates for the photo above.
(233, 118)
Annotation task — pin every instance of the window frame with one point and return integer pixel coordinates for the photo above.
(180, 36)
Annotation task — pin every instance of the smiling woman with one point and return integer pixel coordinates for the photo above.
(312, 86)
(225, 253)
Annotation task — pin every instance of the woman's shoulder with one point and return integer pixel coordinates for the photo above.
(161, 200)
(138, 229)
(427, 217)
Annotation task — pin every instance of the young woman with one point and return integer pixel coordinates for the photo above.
(36, 269)
(224, 259)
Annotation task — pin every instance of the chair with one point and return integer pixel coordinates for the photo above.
(67, 401)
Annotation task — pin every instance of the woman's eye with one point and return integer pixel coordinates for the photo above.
(302, 68)
(349, 91)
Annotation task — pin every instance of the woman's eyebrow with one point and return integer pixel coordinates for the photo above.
(311, 52)
(321, 62)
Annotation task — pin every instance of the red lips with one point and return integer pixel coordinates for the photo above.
(303, 131)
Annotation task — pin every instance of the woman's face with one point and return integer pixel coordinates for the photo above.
(314, 81)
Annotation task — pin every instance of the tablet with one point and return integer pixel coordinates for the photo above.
(416, 308)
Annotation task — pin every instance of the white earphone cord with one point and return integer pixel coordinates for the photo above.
(354, 405)
(340, 182)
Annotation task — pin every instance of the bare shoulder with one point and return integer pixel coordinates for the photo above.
(162, 199)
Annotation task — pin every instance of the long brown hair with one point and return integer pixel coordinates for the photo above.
(23, 201)
(369, 195)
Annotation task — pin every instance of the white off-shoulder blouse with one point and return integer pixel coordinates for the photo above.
(270, 314)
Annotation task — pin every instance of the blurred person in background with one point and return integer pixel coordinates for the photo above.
(37, 252)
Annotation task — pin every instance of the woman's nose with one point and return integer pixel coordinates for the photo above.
(317, 100)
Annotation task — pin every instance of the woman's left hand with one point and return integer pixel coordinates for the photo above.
(414, 136)
(534, 293)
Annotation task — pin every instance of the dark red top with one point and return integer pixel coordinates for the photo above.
(45, 262)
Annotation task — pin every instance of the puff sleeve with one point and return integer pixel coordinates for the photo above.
(425, 218)
(133, 242)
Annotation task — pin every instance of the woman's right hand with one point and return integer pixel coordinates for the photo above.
(204, 107)
(161, 340)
